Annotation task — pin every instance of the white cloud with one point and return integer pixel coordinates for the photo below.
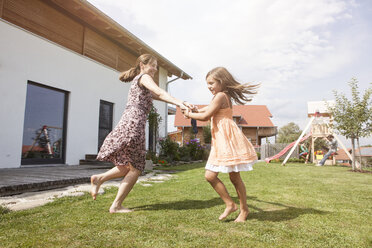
(291, 46)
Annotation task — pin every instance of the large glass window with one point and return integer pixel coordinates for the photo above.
(44, 125)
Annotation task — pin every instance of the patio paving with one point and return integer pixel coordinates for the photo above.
(27, 179)
(38, 198)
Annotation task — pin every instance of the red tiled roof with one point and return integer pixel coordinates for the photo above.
(366, 151)
(251, 116)
(341, 154)
(26, 148)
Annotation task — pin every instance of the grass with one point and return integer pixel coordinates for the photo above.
(291, 206)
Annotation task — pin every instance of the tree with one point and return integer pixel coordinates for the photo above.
(288, 133)
(291, 132)
(353, 118)
(154, 120)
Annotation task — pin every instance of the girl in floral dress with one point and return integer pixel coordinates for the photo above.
(125, 145)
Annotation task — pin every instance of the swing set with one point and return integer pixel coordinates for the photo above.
(44, 131)
(319, 126)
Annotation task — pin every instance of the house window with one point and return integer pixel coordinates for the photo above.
(44, 129)
(105, 121)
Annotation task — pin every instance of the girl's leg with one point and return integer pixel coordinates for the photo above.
(125, 187)
(220, 188)
(97, 180)
(242, 194)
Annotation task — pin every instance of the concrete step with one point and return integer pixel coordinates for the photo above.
(93, 162)
(91, 159)
(90, 156)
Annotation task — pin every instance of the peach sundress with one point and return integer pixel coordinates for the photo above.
(231, 150)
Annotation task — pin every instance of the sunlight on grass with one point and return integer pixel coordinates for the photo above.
(292, 206)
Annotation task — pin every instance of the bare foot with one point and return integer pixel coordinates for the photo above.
(114, 210)
(94, 181)
(228, 210)
(242, 216)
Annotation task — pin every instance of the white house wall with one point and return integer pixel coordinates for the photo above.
(25, 56)
(162, 106)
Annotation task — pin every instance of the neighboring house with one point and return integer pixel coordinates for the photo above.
(342, 158)
(59, 67)
(365, 153)
(254, 121)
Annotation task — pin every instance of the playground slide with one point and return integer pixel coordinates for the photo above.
(282, 152)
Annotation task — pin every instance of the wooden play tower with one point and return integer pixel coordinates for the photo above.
(319, 126)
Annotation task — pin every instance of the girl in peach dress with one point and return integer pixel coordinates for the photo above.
(231, 151)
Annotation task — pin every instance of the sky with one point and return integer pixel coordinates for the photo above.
(298, 50)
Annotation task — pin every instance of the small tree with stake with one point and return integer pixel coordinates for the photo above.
(154, 120)
(353, 118)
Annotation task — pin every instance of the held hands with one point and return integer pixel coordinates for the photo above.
(184, 107)
(189, 105)
(186, 113)
(190, 108)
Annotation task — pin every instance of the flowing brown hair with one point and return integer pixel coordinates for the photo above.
(233, 88)
(129, 75)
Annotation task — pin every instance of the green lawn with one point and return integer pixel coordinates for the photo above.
(292, 206)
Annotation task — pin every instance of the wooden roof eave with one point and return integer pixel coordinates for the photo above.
(89, 14)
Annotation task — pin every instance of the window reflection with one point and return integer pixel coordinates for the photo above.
(105, 121)
(43, 125)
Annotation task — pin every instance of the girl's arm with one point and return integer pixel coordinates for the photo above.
(202, 110)
(155, 97)
(160, 94)
(210, 110)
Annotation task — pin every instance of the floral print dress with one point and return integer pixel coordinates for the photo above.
(126, 143)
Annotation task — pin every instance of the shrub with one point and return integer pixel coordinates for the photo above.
(150, 155)
(207, 134)
(207, 150)
(258, 155)
(369, 162)
(290, 160)
(184, 153)
(296, 160)
(196, 150)
(154, 120)
(163, 162)
(169, 149)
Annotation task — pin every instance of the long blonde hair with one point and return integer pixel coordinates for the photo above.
(233, 88)
(129, 75)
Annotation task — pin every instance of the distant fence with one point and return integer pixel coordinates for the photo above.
(269, 150)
